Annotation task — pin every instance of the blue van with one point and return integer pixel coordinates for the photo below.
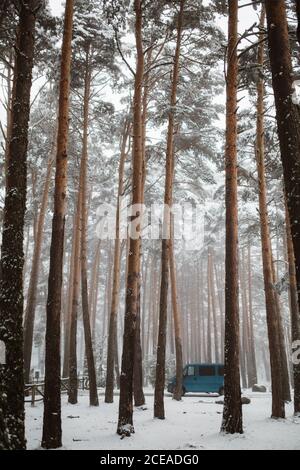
(204, 378)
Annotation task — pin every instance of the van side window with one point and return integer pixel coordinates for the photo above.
(221, 371)
(191, 370)
(207, 371)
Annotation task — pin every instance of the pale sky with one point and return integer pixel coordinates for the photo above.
(247, 16)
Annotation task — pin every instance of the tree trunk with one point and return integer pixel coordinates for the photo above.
(298, 19)
(52, 399)
(288, 117)
(12, 254)
(286, 390)
(67, 325)
(202, 331)
(209, 335)
(177, 325)
(125, 421)
(232, 415)
(159, 411)
(213, 305)
(34, 275)
(84, 282)
(272, 317)
(112, 334)
(253, 377)
(295, 317)
(245, 336)
(11, 90)
(139, 397)
(94, 288)
(73, 373)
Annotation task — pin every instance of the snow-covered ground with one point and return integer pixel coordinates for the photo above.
(192, 424)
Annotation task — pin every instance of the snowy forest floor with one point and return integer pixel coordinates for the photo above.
(193, 423)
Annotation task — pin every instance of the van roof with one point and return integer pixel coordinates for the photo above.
(204, 364)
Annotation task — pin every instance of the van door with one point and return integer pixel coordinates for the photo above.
(190, 380)
(207, 379)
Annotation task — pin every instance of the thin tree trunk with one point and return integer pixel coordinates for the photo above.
(11, 89)
(67, 326)
(94, 289)
(34, 275)
(287, 115)
(177, 325)
(84, 281)
(159, 410)
(139, 397)
(272, 316)
(145, 291)
(112, 334)
(232, 415)
(298, 19)
(213, 305)
(117, 364)
(73, 373)
(52, 399)
(295, 318)
(286, 390)
(204, 339)
(12, 254)
(125, 420)
(209, 335)
(244, 342)
(253, 378)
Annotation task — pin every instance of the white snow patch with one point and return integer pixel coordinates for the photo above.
(193, 423)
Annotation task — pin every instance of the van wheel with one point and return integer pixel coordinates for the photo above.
(221, 391)
(183, 391)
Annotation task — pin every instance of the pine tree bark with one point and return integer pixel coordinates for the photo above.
(272, 317)
(298, 19)
(253, 377)
(232, 414)
(295, 317)
(93, 392)
(177, 325)
(72, 367)
(159, 410)
(67, 323)
(125, 421)
(112, 333)
(11, 89)
(209, 330)
(52, 399)
(12, 254)
(202, 331)
(139, 397)
(213, 306)
(245, 329)
(287, 115)
(94, 288)
(34, 275)
(286, 390)
(250, 355)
